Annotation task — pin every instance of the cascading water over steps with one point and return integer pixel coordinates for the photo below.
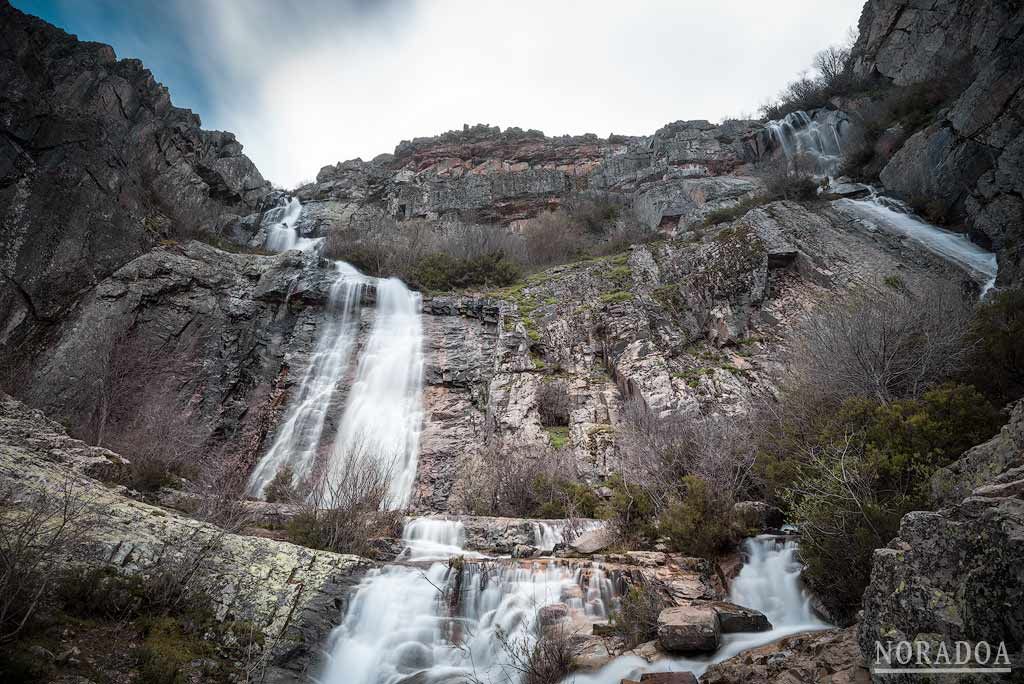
(382, 414)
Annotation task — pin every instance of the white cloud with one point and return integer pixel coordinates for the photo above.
(311, 84)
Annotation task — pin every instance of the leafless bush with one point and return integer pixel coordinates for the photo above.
(39, 528)
(882, 343)
(138, 413)
(525, 484)
(552, 237)
(659, 451)
(543, 659)
(348, 507)
(789, 179)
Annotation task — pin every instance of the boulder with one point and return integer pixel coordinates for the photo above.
(689, 629)
(828, 657)
(664, 678)
(593, 541)
(552, 614)
(955, 574)
(733, 618)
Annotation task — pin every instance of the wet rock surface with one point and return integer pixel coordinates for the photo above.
(830, 657)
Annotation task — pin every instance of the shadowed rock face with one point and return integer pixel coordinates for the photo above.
(955, 574)
(95, 165)
(970, 162)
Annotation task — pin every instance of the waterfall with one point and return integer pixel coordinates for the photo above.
(768, 582)
(282, 233)
(298, 438)
(383, 415)
(896, 217)
(381, 420)
(818, 137)
(449, 621)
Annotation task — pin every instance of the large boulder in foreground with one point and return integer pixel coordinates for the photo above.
(957, 574)
(829, 657)
(689, 629)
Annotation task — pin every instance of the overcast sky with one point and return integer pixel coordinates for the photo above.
(304, 83)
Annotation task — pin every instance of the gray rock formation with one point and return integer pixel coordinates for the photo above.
(96, 165)
(969, 162)
(956, 574)
(689, 629)
(829, 657)
(293, 595)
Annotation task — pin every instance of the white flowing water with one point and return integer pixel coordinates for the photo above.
(381, 419)
(817, 137)
(282, 233)
(383, 416)
(768, 582)
(895, 217)
(820, 137)
(298, 438)
(454, 622)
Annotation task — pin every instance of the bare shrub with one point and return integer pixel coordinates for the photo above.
(636, 620)
(535, 482)
(347, 508)
(552, 237)
(658, 452)
(880, 343)
(39, 528)
(832, 77)
(544, 659)
(789, 179)
(138, 413)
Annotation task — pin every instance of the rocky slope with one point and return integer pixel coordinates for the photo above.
(96, 165)
(969, 161)
(290, 594)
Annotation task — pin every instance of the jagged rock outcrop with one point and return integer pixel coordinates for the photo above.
(292, 595)
(957, 574)
(96, 165)
(970, 162)
(481, 173)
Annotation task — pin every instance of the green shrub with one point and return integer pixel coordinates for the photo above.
(630, 508)
(997, 344)
(445, 272)
(904, 442)
(868, 467)
(701, 524)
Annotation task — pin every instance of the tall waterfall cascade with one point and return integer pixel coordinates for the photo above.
(820, 137)
(381, 418)
(282, 228)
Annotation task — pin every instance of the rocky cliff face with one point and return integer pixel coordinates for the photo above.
(96, 165)
(970, 160)
(955, 574)
(686, 169)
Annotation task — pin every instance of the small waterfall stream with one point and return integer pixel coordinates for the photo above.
(819, 137)
(768, 582)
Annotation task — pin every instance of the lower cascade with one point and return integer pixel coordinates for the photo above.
(444, 615)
